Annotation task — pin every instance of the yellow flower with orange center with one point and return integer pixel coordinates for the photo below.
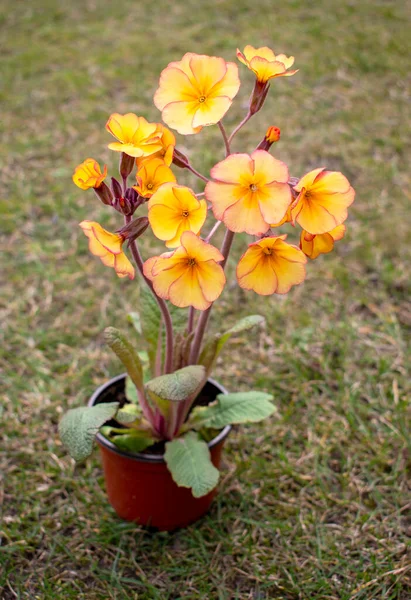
(168, 143)
(189, 276)
(323, 199)
(271, 266)
(249, 192)
(265, 64)
(108, 247)
(196, 91)
(136, 136)
(314, 245)
(151, 175)
(174, 209)
(88, 174)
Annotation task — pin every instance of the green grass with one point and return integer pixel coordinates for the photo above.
(314, 504)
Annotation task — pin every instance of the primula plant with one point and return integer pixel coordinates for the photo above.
(244, 193)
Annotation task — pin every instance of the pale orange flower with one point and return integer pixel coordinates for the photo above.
(174, 209)
(88, 174)
(249, 192)
(136, 136)
(265, 64)
(271, 266)
(314, 245)
(189, 276)
(168, 143)
(151, 175)
(323, 199)
(108, 247)
(196, 91)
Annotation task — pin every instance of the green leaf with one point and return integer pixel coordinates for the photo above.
(151, 324)
(135, 320)
(215, 344)
(175, 387)
(130, 440)
(189, 462)
(79, 426)
(229, 409)
(126, 353)
(129, 413)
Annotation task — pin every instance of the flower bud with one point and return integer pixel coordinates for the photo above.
(134, 229)
(126, 165)
(116, 187)
(128, 203)
(180, 159)
(104, 193)
(271, 135)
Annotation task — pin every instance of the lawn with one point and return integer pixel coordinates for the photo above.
(313, 504)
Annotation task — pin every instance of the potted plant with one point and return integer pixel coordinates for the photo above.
(161, 426)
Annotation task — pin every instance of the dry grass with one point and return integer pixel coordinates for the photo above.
(314, 504)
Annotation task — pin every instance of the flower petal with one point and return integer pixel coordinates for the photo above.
(180, 115)
(211, 111)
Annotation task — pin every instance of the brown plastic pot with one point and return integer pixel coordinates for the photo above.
(139, 485)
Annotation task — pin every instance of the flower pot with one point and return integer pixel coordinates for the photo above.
(139, 486)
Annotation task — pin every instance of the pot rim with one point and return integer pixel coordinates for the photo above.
(140, 456)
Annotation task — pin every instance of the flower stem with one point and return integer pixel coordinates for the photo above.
(190, 323)
(205, 315)
(168, 367)
(193, 170)
(212, 231)
(239, 126)
(225, 138)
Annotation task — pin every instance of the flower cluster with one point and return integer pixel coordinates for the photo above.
(246, 193)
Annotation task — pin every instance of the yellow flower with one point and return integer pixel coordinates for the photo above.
(168, 143)
(314, 245)
(323, 199)
(88, 174)
(136, 137)
(249, 192)
(271, 266)
(189, 276)
(174, 209)
(108, 247)
(196, 91)
(265, 64)
(151, 175)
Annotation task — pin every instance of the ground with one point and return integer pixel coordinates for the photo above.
(313, 504)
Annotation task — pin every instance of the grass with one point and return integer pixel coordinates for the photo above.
(314, 504)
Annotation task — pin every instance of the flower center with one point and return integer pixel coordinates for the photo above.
(185, 213)
(254, 187)
(202, 99)
(149, 186)
(191, 262)
(268, 251)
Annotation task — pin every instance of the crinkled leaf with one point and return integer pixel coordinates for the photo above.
(129, 440)
(131, 391)
(129, 413)
(126, 353)
(175, 387)
(79, 426)
(189, 462)
(215, 344)
(135, 320)
(230, 409)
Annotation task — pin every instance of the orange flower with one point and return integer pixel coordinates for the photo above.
(151, 175)
(249, 192)
(168, 143)
(136, 136)
(189, 276)
(265, 64)
(108, 247)
(314, 245)
(174, 209)
(271, 266)
(323, 199)
(196, 91)
(88, 174)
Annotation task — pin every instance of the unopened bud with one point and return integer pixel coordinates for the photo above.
(104, 193)
(128, 203)
(126, 165)
(134, 229)
(116, 187)
(271, 135)
(258, 96)
(180, 159)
